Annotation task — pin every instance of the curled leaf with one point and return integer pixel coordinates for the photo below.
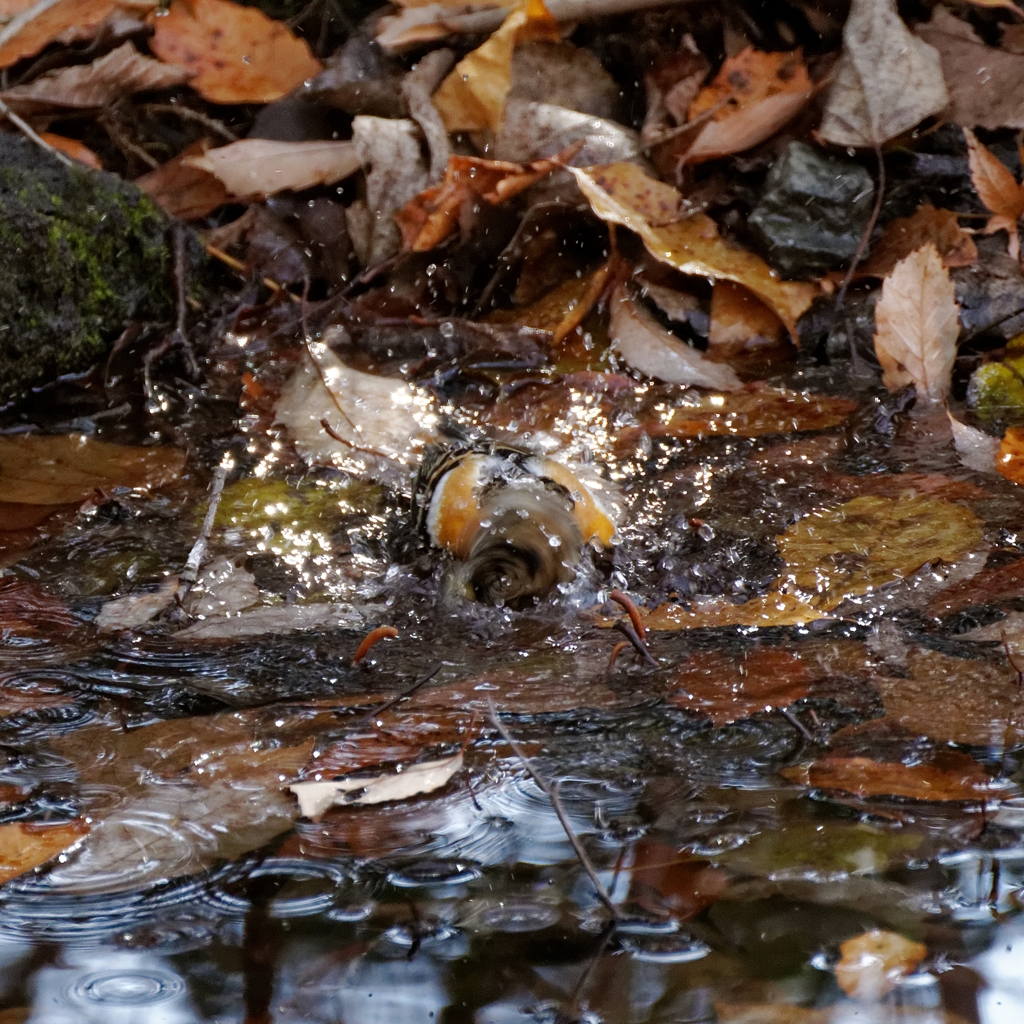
(997, 189)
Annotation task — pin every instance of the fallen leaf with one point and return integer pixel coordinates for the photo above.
(904, 235)
(38, 469)
(24, 845)
(1008, 5)
(692, 246)
(892, 485)
(73, 148)
(956, 777)
(838, 553)
(986, 84)
(771, 1013)
(561, 309)
(122, 72)
(998, 190)
(870, 965)
(274, 619)
(728, 688)
(646, 346)
(887, 80)
(988, 587)
(430, 217)
(629, 186)
(317, 797)
(977, 450)
(753, 95)
(257, 168)
(955, 700)
(671, 85)
(739, 320)
(182, 189)
(135, 609)
(237, 54)
(1010, 457)
(27, 608)
(473, 95)
(533, 131)
(38, 25)
(662, 878)
(917, 326)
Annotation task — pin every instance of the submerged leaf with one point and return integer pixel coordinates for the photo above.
(917, 325)
(692, 246)
(872, 964)
(24, 846)
(1010, 457)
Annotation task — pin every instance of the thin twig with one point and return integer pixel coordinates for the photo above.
(27, 130)
(865, 238)
(189, 575)
(551, 792)
(368, 716)
(625, 601)
(188, 114)
(639, 644)
(372, 638)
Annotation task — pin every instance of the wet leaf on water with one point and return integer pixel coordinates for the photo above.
(315, 798)
(871, 964)
(26, 606)
(273, 619)
(753, 95)
(997, 189)
(473, 96)
(693, 245)
(887, 80)
(1010, 457)
(1008, 633)
(838, 553)
(905, 235)
(729, 688)
(990, 586)
(739, 321)
(955, 700)
(257, 168)
(892, 485)
(37, 25)
(953, 776)
(429, 218)
(37, 469)
(646, 346)
(661, 878)
(122, 72)
(24, 846)
(134, 610)
(917, 325)
(238, 54)
(977, 450)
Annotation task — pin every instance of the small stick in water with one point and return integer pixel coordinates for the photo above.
(371, 638)
(632, 611)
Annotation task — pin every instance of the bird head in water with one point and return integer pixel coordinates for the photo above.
(516, 520)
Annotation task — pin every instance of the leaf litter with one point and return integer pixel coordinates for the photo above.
(504, 288)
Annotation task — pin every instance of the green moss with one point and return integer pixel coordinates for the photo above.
(996, 392)
(84, 253)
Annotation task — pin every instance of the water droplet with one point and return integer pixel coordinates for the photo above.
(519, 917)
(447, 329)
(127, 988)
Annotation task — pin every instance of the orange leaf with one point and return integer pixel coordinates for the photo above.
(904, 235)
(917, 325)
(28, 32)
(872, 963)
(73, 148)
(739, 318)
(997, 189)
(753, 95)
(238, 54)
(24, 846)
(960, 779)
(182, 189)
(1010, 460)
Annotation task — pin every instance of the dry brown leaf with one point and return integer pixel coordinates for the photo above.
(1010, 458)
(473, 95)
(904, 235)
(647, 347)
(986, 84)
(997, 189)
(917, 326)
(739, 320)
(122, 72)
(871, 964)
(38, 25)
(729, 688)
(753, 95)
(182, 189)
(238, 54)
(887, 80)
(1008, 5)
(990, 586)
(25, 846)
(956, 777)
(73, 148)
(37, 469)
(257, 168)
(692, 246)
(429, 218)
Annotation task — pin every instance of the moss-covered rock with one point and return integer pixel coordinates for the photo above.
(996, 390)
(83, 253)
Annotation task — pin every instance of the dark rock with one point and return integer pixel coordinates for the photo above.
(812, 212)
(991, 293)
(84, 252)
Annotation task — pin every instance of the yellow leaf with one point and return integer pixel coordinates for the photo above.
(473, 96)
(917, 325)
(692, 246)
(873, 962)
(1010, 459)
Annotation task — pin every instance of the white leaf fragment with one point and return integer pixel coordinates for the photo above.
(646, 346)
(316, 797)
(977, 450)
